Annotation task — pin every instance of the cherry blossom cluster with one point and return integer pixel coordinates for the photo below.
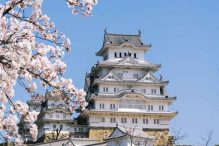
(84, 7)
(31, 50)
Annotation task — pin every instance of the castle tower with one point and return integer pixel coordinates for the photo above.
(122, 89)
(55, 121)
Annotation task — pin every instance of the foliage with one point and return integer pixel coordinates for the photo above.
(31, 51)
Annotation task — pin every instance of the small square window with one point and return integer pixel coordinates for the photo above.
(102, 119)
(135, 56)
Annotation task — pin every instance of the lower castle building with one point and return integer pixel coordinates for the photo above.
(121, 90)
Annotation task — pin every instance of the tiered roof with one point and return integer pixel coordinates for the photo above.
(122, 39)
(36, 99)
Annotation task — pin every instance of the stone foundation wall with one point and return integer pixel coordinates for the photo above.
(162, 137)
(49, 136)
(100, 133)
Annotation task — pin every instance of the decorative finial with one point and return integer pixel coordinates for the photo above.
(105, 30)
(161, 77)
(139, 33)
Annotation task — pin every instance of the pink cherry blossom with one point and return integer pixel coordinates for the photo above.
(25, 58)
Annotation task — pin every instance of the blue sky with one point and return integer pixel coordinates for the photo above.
(184, 36)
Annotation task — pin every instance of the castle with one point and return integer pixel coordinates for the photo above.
(121, 90)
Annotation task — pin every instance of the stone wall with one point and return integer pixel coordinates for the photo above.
(50, 136)
(162, 137)
(100, 133)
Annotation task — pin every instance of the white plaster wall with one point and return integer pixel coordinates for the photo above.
(131, 104)
(95, 121)
(121, 87)
(128, 73)
(60, 117)
(118, 142)
(139, 53)
(75, 128)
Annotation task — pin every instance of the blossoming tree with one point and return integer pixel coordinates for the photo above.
(31, 51)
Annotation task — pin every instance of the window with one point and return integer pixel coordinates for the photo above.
(105, 89)
(150, 107)
(145, 121)
(110, 77)
(102, 119)
(75, 129)
(112, 120)
(50, 115)
(116, 89)
(156, 121)
(123, 120)
(135, 76)
(101, 105)
(57, 116)
(120, 74)
(125, 54)
(80, 129)
(112, 106)
(120, 55)
(105, 57)
(153, 91)
(161, 108)
(144, 90)
(135, 56)
(52, 105)
(134, 120)
(54, 127)
(64, 116)
(61, 126)
(115, 54)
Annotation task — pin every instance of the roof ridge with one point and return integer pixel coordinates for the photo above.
(122, 34)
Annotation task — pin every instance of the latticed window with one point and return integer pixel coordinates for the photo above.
(102, 119)
(153, 91)
(134, 120)
(120, 55)
(101, 105)
(161, 107)
(112, 120)
(156, 121)
(105, 89)
(123, 120)
(150, 107)
(135, 76)
(145, 121)
(120, 74)
(80, 129)
(112, 106)
(135, 56)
